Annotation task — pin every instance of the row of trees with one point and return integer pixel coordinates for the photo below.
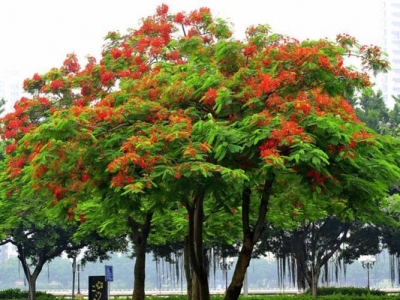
(183, 137)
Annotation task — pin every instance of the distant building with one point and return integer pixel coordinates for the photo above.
(7, 251)
(391, 45)
(10, 89)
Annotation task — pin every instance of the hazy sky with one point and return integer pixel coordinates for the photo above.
(36, 35)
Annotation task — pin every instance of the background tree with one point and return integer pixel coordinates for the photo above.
(392, 127)
(384, 120)
(313, 245)
(371, 109)
(38, 244)
(390, 238)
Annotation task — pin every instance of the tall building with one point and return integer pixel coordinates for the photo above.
(7, 251)
(391, 45)
(10, 89)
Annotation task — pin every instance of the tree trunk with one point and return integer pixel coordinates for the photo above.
(188, 272)
(312, 276)
(30, 277)
(235, 287)
(32, 287)
(251, 235)
(195, 292)
(199, 289)
(307, 269)
(139, 273)
(200, 279)
(297, 246)
(314, 286)
(140, 233)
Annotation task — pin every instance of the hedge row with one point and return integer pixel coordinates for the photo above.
(323, 294)
(11, 294)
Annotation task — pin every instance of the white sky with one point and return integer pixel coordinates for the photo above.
(36, 35)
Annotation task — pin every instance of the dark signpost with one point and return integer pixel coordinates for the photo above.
(98, 288)
(109, 277)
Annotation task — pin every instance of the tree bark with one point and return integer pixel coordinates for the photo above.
(200, 288)
(139, 273)
(235, 287)
(188, 272)
(250, 238)
(195, 292)
(30, 277)
(314, 285)
(298, 250)
(140, 233)
(32, 287)
(312, 276)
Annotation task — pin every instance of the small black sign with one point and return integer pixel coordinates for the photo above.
(98, 288)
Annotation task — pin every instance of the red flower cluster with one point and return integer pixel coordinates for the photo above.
(268, 152)
(249, 49)
(288, 130)
(210, 96)
(36, 77)
(11, 147)
(317, 178)
(268, 84)
(179, 18)
(56, 85)
(116, 53)
(107, 78)
(71, 64)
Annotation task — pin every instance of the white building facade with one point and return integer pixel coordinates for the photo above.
(10, 89)
(390, 84)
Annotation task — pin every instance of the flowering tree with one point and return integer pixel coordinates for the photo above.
(177, 111)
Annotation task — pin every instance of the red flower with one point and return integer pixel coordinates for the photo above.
(44, 101)
(116, 53)
(10, 148)
(85, 91)
(162, 10)
(56, 84)
(210, 96)
(268, 84)
(128, 51)
(82, 217)
(71, 64)
(107, 78)
(179, 18)
(123, 73)
(249, 49)
(85, 177)
(36, 77)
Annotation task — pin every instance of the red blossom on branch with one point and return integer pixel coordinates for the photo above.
(210, 96)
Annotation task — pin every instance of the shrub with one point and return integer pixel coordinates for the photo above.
(45, 296)
(23, 294)
(346, 291)
(13, 294)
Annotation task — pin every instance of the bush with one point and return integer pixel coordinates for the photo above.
(45, 296)
(13, 294)
(321, 291)
(177, 297)
(23, 294)
(336, 297)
